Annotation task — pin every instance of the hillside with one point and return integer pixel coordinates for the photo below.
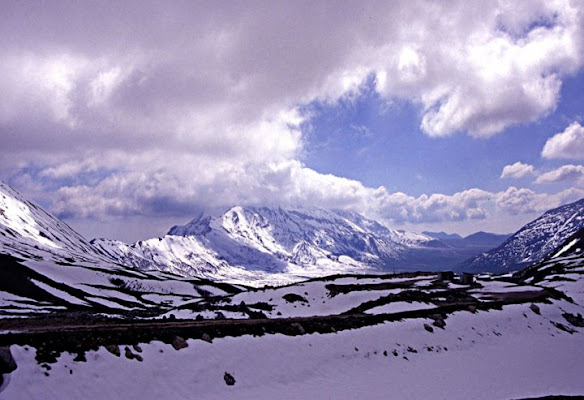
(532, 243)
(46, 267)
(74, 322)
(246, 243)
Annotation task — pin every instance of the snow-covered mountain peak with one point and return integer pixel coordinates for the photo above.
(197, 226)
(304, 242)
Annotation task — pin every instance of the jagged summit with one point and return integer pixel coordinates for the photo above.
(197, 226)
(304, 242)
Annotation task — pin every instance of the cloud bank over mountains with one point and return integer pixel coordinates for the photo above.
(104, 115)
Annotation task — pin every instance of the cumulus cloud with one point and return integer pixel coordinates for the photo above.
(517, 170)
(289, 183)
(201, 105)
(567, 144)
(497, 70)
(201, 71)
(566, 173)
(516, 201)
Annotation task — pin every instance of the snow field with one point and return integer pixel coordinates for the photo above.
(487, 355)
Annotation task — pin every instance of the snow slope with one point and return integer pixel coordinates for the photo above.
(26, 229)
(532, 243)
(478, 349)
(517, 351)
(301, 243)
(47, 266)
(500, 354)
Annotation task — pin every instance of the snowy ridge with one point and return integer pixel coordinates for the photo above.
(532, 243)
(343, 336)
(563, 269)
(303, 243)
(47, 266)
(24, 225)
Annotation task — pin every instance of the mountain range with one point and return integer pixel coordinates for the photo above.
(93, 320)
(305, 242)
(45, 266)
(262, 245)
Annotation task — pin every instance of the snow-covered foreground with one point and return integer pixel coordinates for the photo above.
(512, 353)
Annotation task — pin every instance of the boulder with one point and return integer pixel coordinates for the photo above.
(128, 353)
(179, 343)
(229, 379)
(438, 321)
(114, 349)
(293, 298)
(219, 315)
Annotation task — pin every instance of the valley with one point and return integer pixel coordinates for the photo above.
(324, 316)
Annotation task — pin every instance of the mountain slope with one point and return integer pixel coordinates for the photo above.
(309, 242)
(45, 266)
(532, 243)
(563, 269)
(24, 225)
(300, 243)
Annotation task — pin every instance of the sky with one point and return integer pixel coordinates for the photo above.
(124, 118)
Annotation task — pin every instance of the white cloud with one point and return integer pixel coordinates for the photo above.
(517, 170)
(567, 144)
(470, 71)
(492, 72)
(516, 201)
(173, 118)
(566, 173)
(70, 169)
(40, 86)
(287, 183)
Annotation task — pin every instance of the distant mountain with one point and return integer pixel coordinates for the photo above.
(304, 241)
(485, 239)
(443, 235)
(482, 241)
(307, 241)
(532, 243)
